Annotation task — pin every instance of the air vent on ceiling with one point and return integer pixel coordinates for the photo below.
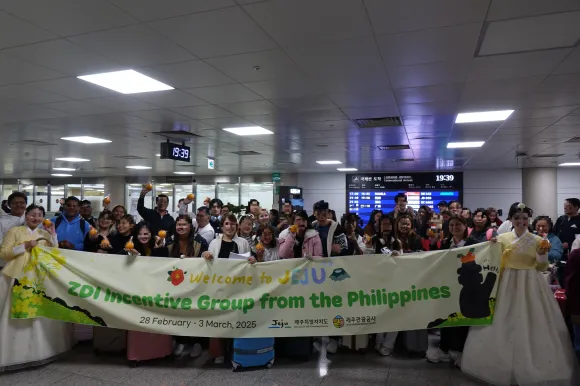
(547, 155)
(575, 139)
(365, 123)
(429, 137)
(393, 147)
(129, 157)
(404, 160)
(285, 163)
(33, 142)
(321, 145)
(104, 167)
(246, 152)
(177, 134)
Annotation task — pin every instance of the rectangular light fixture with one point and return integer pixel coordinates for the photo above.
(570, 164)
(86, 140)
(460, 145)
(183, 173)
(72, 159)
(483, 116)
(347, 169)
(138, 167)
(157, 155)
(64, 169)
(251, 130)
(126, 82)
(329, 162)
(61, 175)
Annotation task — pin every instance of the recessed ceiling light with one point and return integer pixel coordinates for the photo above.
(347, 169)
(126, 82)
(570, 164)
(64, 169)
(138, 167)
(61, 175)
(157, 155)
(86, 139)
(251, 130)
(328, 162)
(183, 173)
(458, 145)
(72, 159)
(483, 116)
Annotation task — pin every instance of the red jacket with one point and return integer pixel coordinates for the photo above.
(573, 282)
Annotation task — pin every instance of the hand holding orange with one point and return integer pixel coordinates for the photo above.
(93, 232)
(47, 223)
(190, 196)
(129, 245)
(107, 200)
(162, 234)
(259, 247)
(294, 228)
(105, 244)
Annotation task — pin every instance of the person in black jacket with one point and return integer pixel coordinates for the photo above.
(124, 235)
(568, 225)
(159, 218)
(103, 230)
(405, 233)
(215, 209)
(145, 244)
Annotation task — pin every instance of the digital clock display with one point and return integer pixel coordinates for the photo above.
(444, 177)
(175, 152)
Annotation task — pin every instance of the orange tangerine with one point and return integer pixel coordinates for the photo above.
(294, 228)
(107, 200)
(129, 245)
(162, 234)
(105, 244)
(190, 196)
(47, 223)
(259, 247)
(93, 232)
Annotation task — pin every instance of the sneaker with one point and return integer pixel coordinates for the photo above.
(436, 355)
(384, 350)
(323, 365)
(316, 345)
(219, 360)
(455, 358)
(196, 350)
(332, 346)
(179, 350)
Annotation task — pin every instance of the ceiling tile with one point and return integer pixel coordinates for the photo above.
(73, 88)
(432, 45)
(362, 99)
(321, 102)
(530, 34)
(79, 108)
(147, 10)
(29, 94)
(439, 93)
(356, 82)
(187, 74)
(570, 64)
(499, 10)
(524, 122)
(29, 113)
(170, 98)
(428, 74)
(544, 112)
(220, 123)
(69, 17)
(321, 115)
(516, 65)
(338, 57)
(561, 83)
(222, 32)
(231, 93)
(272, 64)
(123, 103)
(569, 120)
(501, 88)
(285, 88)
(160, 115)
(342, 20)
(203, 112)
(66, 57)
(135, 46)
(13, 70)
(251, 108)
(372, 112)
(410, 15)
(272, 119)
(430, 108)
(16, 32)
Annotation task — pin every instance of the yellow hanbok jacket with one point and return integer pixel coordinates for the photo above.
(12, 249)
(521, 252)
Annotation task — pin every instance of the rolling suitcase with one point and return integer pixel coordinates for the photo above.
(143, 346)
(252, 352)
(560, 296)
(299, 348)
(107, 339)
(415, 341)
(82, 332)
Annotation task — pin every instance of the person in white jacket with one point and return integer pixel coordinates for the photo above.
(227, 242)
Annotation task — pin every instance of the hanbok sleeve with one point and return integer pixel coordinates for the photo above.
(10, 249)
(542, 261)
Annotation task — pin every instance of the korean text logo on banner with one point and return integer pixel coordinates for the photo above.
(231, 298)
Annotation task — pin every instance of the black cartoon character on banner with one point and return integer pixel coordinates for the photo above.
(339, 274)
(474, 296)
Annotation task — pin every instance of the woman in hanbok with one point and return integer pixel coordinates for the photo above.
(27, 342)
(528, 343)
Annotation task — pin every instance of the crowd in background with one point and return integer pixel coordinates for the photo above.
(537, 253)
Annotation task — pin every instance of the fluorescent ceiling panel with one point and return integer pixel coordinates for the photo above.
(328, 162)
(483, 116)
(64, 170)
(126, 82)
(86, 139)
(347, 169)
(461, 145)
(251, 130)
(61, 175)
(138, 167)
(183, 173)
(570, 164)
(72, 159)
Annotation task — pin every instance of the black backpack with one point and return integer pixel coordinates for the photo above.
(82, 224)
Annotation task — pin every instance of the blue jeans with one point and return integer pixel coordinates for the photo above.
(577, 339)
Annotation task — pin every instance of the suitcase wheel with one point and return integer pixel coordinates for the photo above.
(235, 366)
(133, 364)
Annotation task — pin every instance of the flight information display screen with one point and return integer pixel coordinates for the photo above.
(370, 191)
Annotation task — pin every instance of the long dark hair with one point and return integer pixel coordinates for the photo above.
(518, 211)
(462, 220)
(410, 240)
(391, 242)
(273, 243)
(140, 247)
(483, 212)
(370, 227)
(175, 249)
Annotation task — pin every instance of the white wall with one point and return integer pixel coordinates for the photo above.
(568, 183)
(496, 188)
(330, 187)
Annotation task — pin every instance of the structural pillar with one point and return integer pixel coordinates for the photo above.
(115, 188)
(540, 192)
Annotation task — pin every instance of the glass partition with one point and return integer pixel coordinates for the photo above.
(95, 193)
(263, 192)
(133, 195)
(56, 195)
(29, 191)
(229, 193)
(181, 191)
(41, 196)
(204, 191)
(8, 190)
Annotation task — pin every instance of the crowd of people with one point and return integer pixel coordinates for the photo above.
(529, 343)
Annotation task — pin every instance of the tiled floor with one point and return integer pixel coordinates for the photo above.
(82, 368)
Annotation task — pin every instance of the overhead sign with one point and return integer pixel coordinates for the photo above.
(404, 181)
(210, 163)
(276, 177)
(232, 298)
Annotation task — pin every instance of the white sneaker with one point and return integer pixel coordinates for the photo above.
(179, 350)
(332, 346)
(219, 360)
(323, 365)
(316, 345)
(436, 355)
(196, 350)
(385, 351)
(456, 358)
